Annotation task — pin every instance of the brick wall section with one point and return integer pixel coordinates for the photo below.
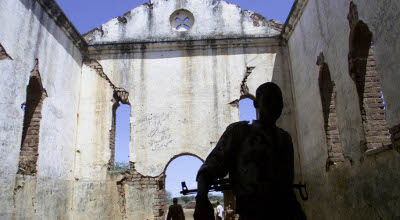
(31, 126)
(328, 100)
(371, 103)
(395, 136)
(332, 132)
(259, 20)
(373, 108)
(362, 70)
(140, 182)
(277, 25)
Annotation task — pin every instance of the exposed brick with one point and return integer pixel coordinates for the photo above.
(362, 69)
(328, 100)
(31, 125)
(119, 95)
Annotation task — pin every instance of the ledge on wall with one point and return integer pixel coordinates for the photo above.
(384, 148)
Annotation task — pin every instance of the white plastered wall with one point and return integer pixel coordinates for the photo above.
(27, 33)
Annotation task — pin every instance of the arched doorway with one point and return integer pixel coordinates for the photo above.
(182, 169)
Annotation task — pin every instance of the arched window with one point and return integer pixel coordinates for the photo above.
(35, 95)
(362, 69)
(328, 99)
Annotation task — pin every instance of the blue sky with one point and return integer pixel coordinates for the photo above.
(89, 14)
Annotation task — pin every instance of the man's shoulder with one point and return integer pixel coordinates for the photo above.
(283, 132)
(238, 125)
(285, 136)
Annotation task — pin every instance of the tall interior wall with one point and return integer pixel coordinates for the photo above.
(182, 99)
(189, 96)
(183, 95)
(28, 33)
(365, 185)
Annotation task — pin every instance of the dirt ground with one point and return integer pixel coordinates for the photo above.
(188, 214)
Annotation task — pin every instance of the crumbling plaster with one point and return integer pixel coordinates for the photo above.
(180, 92)
(193, 109)
(362, 187)
(28, 33)
(183, 88)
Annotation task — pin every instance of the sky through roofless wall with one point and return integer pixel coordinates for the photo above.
(89, 14)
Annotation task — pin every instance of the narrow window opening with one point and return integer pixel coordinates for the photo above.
(328, 99)
(247, 110)
(186, 27)
(35, 95)
(122, 136)
(362, 69)
(120, 132)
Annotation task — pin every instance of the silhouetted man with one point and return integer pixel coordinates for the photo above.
(175, 211)
(259, 159)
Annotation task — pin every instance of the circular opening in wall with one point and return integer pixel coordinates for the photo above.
(181, 20)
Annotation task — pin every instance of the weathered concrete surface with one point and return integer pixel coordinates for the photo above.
(193, 108)
(212, 20)
(27, 33)
(182, 100)
(363, 187)
(183, 88)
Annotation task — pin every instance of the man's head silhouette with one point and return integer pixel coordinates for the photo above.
(175, 200)
(268, 103)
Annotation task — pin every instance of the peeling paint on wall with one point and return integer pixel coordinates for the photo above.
(3, 53)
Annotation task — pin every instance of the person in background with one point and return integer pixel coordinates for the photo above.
(175, 211)
(220, 211)
(229, 213)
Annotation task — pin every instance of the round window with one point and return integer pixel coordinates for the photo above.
(181, 20)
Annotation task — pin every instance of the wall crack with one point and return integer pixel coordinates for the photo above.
(244, 89)
(94, 64)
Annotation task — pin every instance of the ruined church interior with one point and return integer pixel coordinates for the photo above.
(183, 66)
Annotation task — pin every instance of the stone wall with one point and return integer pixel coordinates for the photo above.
(362, 186)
